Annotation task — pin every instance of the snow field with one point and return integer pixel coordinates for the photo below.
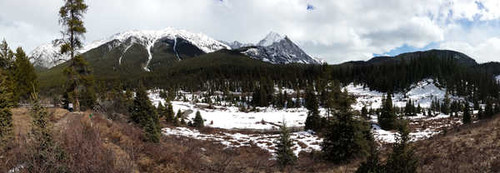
(302, 141)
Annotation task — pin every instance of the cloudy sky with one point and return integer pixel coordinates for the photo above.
(335, 31)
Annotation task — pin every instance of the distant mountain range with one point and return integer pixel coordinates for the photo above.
(407, 57)
(151, 49)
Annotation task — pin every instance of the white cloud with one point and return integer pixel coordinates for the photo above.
(336, 31)
(486, 51)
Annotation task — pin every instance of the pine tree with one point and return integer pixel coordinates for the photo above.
(5, 113)
(169, 115)
(372, 163)
(198, 120)
(144, 114)
(6, 56)
(78, 72)
(313, 120)
(161, 110)
(488, 110)
(345, 138)
(25, 76)
(445, 108)
(387, 118)
(46, 154)
(480, 113)
(466, 119)
(284, 152)
(402, 158)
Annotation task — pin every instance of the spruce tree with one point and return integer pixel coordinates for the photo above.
(445, 108)
(80, 79)
(284, 152)
(161, 110)
(198, 120)
(345, 138)
(5, 113)
(46, 154)
(466, 119)
(144, 114)
(6, 56)
(402, 158)
(488, 110)
(25, 76)
(387, 118)
(169, 115)
(313, 120)
(372, 163)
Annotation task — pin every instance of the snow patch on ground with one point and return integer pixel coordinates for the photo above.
(498, 78)
(421, 93)
(302, 141)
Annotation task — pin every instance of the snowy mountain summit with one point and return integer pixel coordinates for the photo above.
(149, 48)
(270, 39)
(279, 49)
(179, 43)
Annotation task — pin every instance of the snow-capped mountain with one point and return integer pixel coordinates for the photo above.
(180, 43)
(47, 55)
(278, 49)
(237, 44)
(270, 39)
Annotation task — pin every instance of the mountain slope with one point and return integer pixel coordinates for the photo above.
(276, 49)
(144, 48)
(458, 57)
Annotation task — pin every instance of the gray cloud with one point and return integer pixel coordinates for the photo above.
(336, 31)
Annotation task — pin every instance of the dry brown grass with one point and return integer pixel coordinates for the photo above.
(470, 148)
(102, 145)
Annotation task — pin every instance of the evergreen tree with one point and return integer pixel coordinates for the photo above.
(5, 113)
(488, 110)
(313, 120)
(25, 76)
(284, 152)
(402, 158)
(161, 110)
(169, 115)
(345, 138)
(466, 119)
(6, 56)
(47, 155)
(480, 113)
(372, 163)
(80, 78)
(364, 112)
(198, 120)
(387, 118)
(445, 108)
(144, 114)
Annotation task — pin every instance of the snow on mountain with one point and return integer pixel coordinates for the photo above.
(498, 78)
(270, 39)
(237, 44)
(278, 49)
(149, 37)
(46, 54)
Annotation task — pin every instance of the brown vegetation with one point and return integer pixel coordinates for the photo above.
(469, 148)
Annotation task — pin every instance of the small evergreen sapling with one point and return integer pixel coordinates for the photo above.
(284, 152)
(198, 121)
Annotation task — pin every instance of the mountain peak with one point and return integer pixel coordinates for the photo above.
(271, 38)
